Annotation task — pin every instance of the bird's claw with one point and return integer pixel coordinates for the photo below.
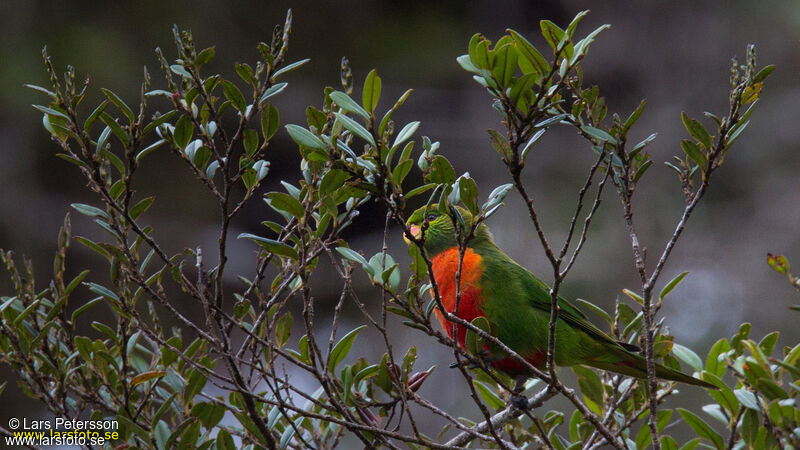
(519, 401)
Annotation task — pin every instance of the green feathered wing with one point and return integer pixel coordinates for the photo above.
(517, 306)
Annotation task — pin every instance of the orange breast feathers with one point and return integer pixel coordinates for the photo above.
(445, 266)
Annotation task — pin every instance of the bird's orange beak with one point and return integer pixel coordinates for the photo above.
(415, 231)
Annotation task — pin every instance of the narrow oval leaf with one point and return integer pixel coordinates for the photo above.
(147, 376)
(304, 137)
(372, 91)
(271, 245)
(342, 348)
(355, 128)
(348, 104)
(688, 356)
(271, 91)
(285, 202)
(233, 94)
(701, 428)
(406, 133)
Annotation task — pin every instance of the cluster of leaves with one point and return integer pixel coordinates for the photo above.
(170, 376)
(780, 264)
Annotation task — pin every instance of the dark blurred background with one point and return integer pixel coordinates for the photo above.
(677, 56)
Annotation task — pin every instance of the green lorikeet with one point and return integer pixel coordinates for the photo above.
(517, 306)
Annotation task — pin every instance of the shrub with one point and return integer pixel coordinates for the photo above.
(220, 378)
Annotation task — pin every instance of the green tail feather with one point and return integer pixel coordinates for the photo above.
(634, 365)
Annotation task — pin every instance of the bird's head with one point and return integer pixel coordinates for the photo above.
(438, 231)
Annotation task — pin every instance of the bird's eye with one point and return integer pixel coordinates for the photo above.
(431, 217)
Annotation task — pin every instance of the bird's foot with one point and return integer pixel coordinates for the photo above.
(519, 401)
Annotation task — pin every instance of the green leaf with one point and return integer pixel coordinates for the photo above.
(590, 384)
(119, 132)
(161, 433)
(688, 356)
(574, 24)
(304, 137)
(713, 363)
(85, 307)
(420, 190)
(372, 91)
(692, 444)
(504, 64)
(520, 87)
(180, 70)
(354, 256)
(183, 132)
(347, 381)
(768, 343)
(131, 426)
(289, 432)
(694, 153)
(473, 341)
(342, 348)
(209, 413)
(205, 56)
(141, 207)
(51, 111)
(271, 91)
(501, 145)
(89, 210)
(271, 245)
(285, 202)
(479, 54)
(671, 285)
(468, 191)
(763, 73)
(730, 138)
(746, 398)
(388, 115)
(600, 135)
(701, 428)
(48, 92)
(158, 121)
(235, 96)
(466, 63)
(270, 121)
(488, 395)
(348, 104)
(146, 376)
(355, 128)
(120, 104)
(535, 60)
(599, 311)
(401, 171)
(145, 151)
(224, 440)
(496, 198)
(332, 180)
(103, 139)
(441, 171)
(250, 141)
(552, 33)
(289, 68)
(583, 46)
(283, 329)
(696, 130)
(406, 133)
(644, 438)
(633, 117)
(93, 246)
